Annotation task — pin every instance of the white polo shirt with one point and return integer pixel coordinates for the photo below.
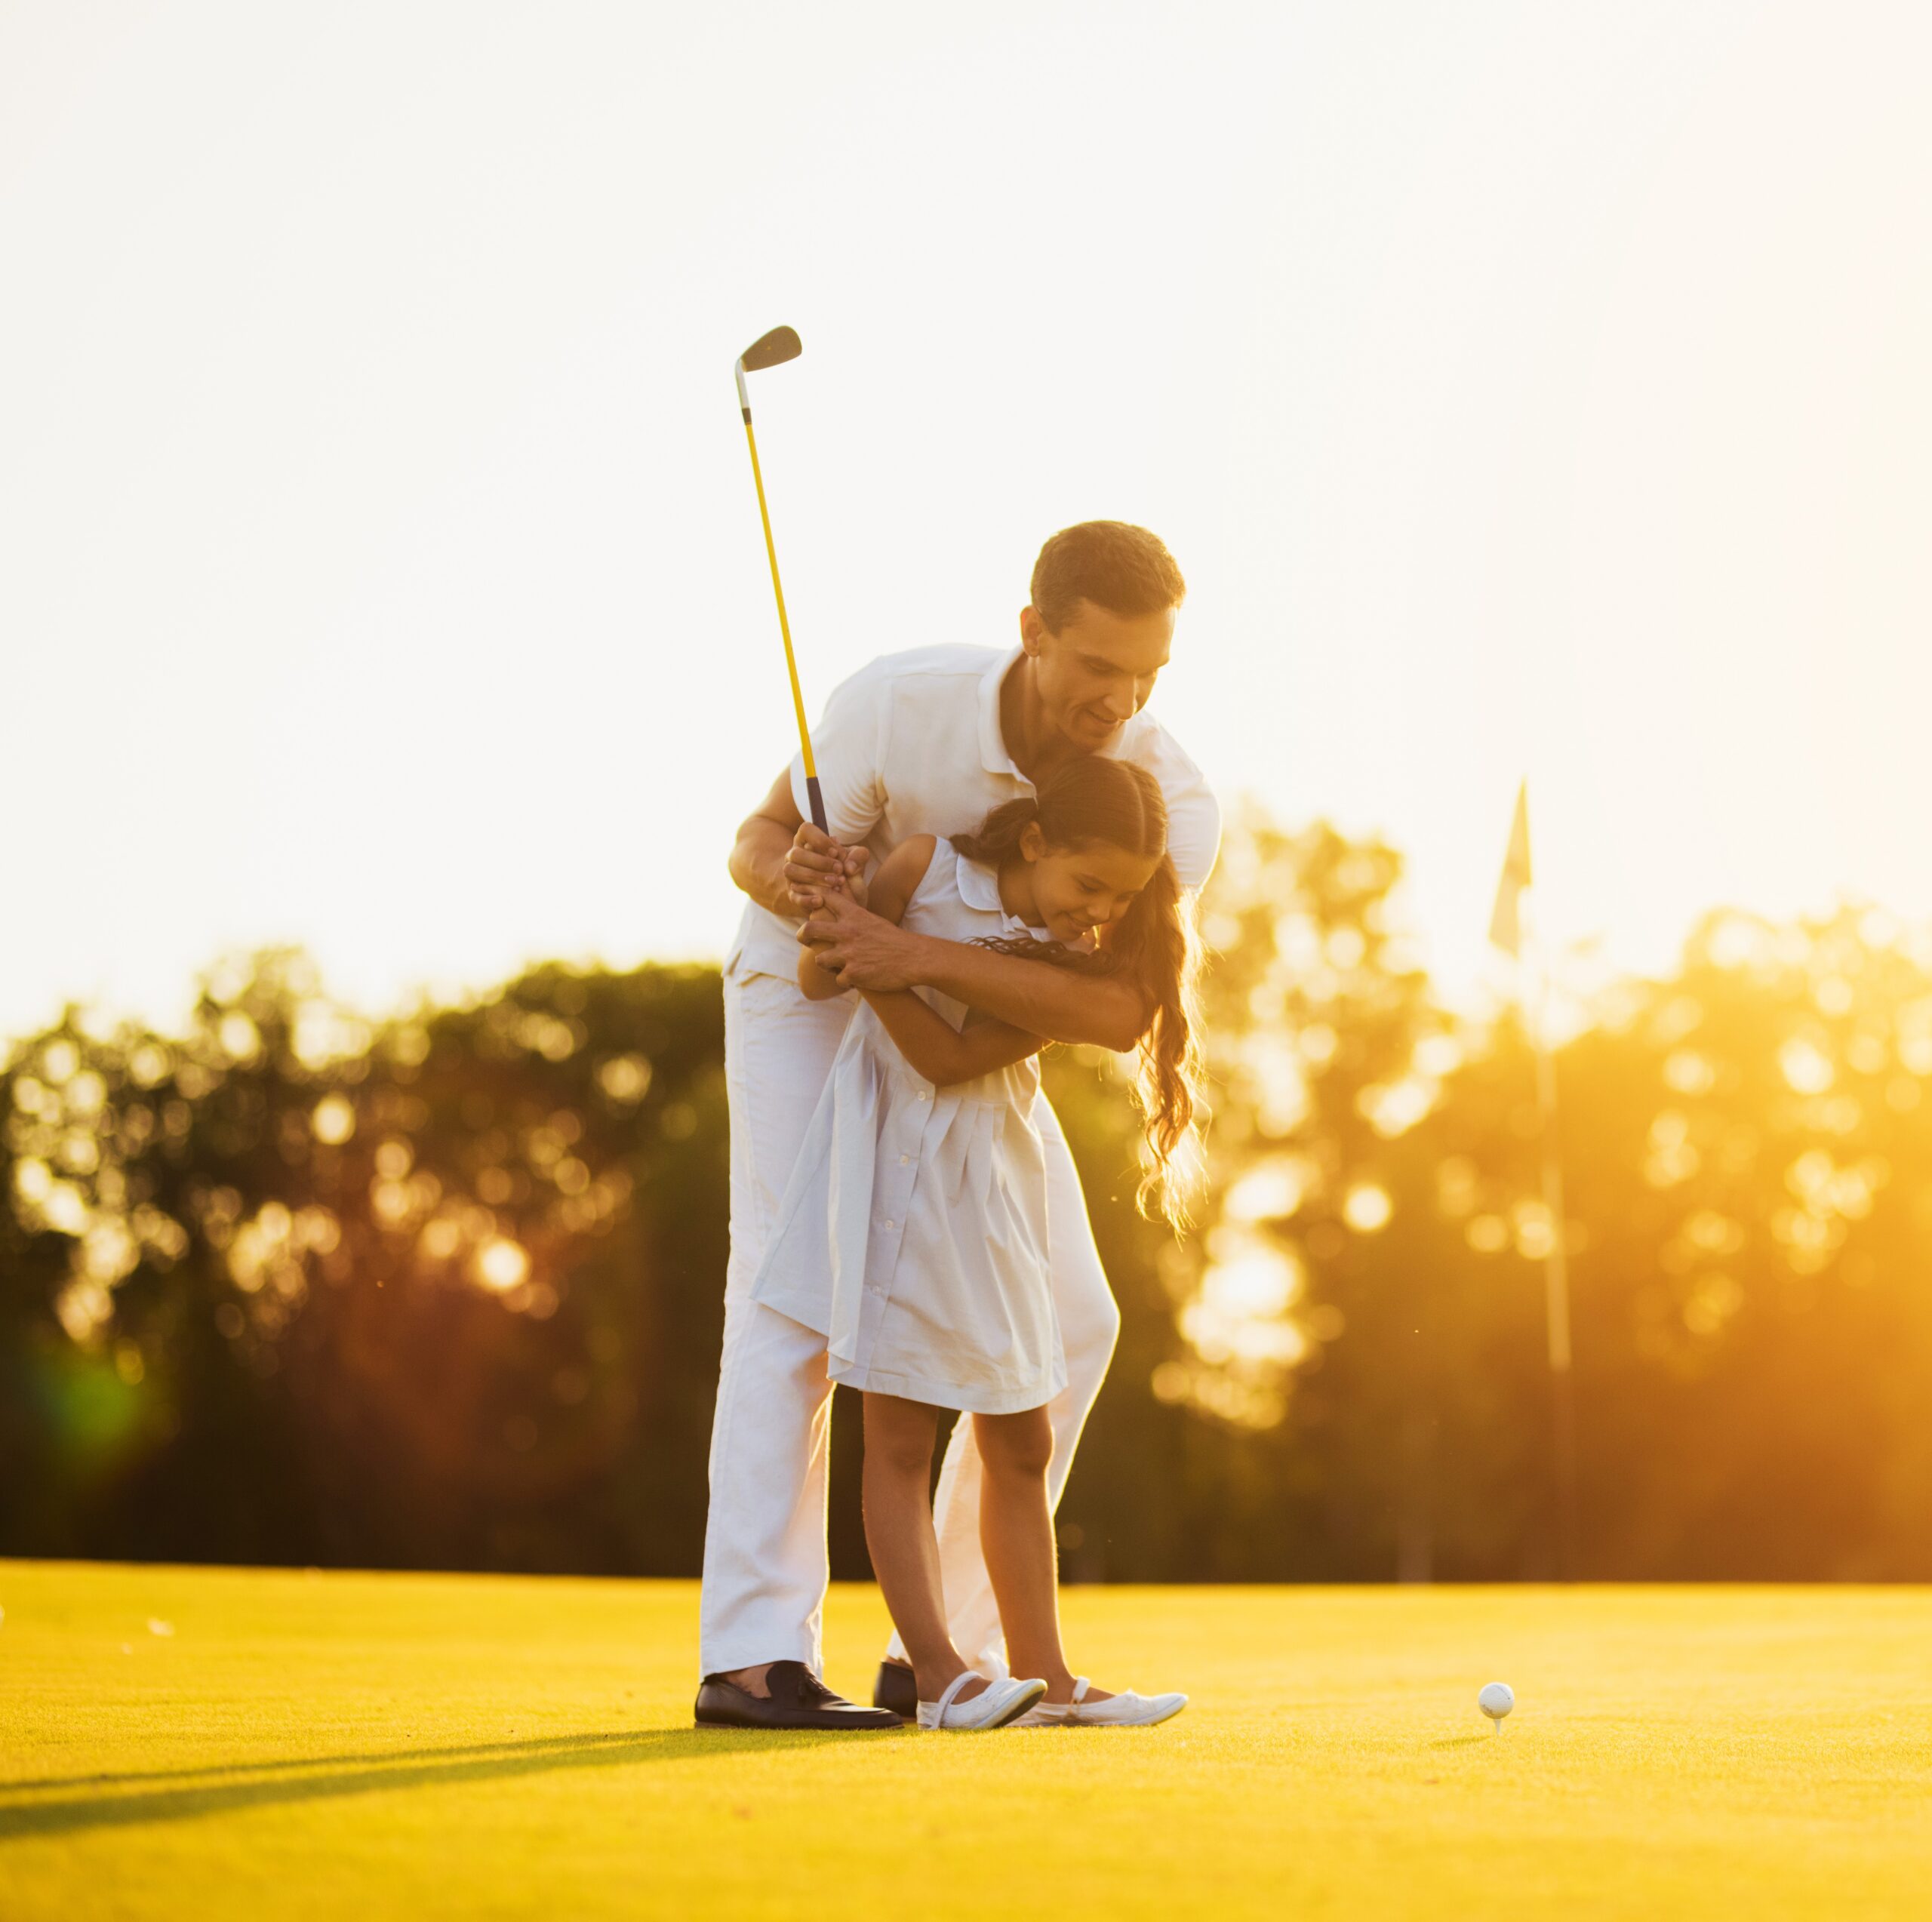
(912, 744)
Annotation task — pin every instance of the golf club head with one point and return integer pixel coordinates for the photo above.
(770, 350)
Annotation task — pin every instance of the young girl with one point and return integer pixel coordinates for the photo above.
(913, 1232)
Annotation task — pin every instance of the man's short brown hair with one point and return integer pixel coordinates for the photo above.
(1115, 565)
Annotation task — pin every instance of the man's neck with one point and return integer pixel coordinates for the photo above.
(1037, 747)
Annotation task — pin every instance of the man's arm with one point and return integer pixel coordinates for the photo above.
(863, 951)
(1053, 1003)
(777, 849)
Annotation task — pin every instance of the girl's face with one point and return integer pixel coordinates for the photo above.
(1077, 891)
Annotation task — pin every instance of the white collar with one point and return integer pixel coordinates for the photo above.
(993, 754)
(979, 888)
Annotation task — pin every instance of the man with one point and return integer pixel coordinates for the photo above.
(926, 742)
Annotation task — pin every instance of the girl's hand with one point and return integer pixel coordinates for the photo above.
(816, 865)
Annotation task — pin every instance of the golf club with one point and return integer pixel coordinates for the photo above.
(771, 349)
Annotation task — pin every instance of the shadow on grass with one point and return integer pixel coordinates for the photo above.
(375, 1758)
(1461, 1741)
(323, 1777)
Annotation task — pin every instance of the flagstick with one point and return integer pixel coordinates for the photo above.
(1556, 1264)
(1506, 930)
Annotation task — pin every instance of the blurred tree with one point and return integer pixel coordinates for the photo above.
(1748, 1145)
(293, 1288)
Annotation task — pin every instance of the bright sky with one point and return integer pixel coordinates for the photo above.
(1519, 386)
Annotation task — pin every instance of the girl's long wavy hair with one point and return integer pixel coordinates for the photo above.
(1097, 801)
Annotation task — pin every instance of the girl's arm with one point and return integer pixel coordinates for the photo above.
(929, 1042)
(874, 956)
(815, 983)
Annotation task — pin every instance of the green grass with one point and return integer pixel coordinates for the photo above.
(363, 1746)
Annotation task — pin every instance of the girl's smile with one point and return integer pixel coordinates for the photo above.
(1073, 892)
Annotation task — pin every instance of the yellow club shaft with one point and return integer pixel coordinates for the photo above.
(785, 628)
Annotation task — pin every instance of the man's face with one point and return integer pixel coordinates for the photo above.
(1096, 673)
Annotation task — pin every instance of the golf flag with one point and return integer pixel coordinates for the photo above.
(1505, 925)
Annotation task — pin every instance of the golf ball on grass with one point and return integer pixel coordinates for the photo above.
(1496, 1701)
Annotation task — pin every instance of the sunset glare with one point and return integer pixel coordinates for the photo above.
(1521, 388)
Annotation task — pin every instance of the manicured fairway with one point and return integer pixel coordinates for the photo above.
(374, 1746)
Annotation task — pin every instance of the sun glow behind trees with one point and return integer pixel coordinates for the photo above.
(458, 1271)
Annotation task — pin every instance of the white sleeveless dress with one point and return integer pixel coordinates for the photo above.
(913, 1232)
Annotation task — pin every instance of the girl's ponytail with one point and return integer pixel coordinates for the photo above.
(997, 837)
(1154, 946)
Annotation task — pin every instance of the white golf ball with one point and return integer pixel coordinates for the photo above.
(1497, 1700)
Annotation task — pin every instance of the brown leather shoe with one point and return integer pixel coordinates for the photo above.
(799, 1700)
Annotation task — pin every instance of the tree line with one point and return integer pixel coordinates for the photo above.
(444, 1290)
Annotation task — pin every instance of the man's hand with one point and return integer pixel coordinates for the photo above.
(816, 866)
(858, 948)
(779, 859)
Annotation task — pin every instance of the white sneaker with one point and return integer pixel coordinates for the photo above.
(1125, 1711)
(999, 1703)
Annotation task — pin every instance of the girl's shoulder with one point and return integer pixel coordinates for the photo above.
(902, 874)
(910, 860)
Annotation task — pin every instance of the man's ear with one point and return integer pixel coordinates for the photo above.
(1032, 841)
(1033, 631)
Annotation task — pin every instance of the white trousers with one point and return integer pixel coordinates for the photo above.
(765, 1567)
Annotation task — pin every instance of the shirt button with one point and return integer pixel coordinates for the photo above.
(924, 1096)
(890, 1224)
(903, 1159)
